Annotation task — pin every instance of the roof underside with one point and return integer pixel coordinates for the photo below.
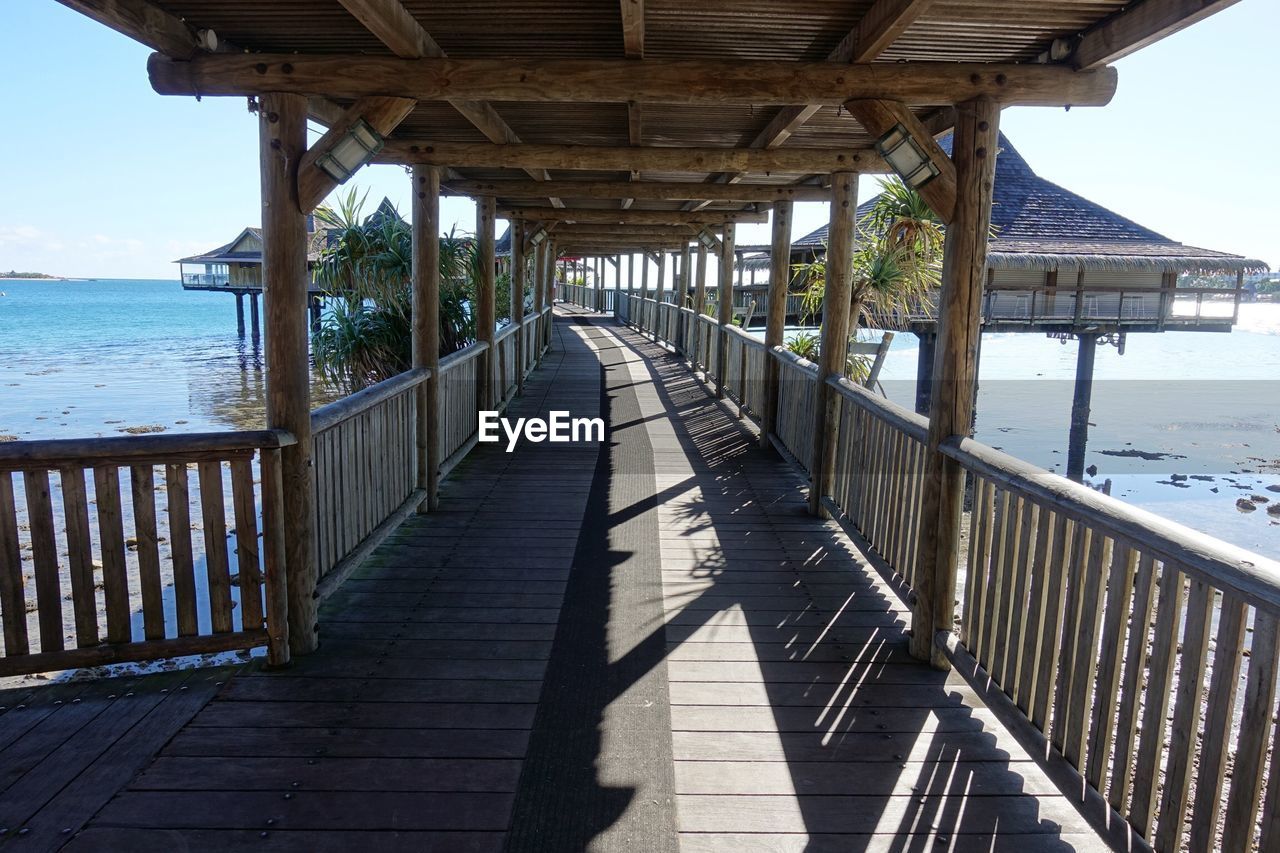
(896, 36)
(741, 30)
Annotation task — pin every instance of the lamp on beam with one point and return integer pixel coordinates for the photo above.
(708, 239)
(905, 156)
(537, 237)
(360, 144)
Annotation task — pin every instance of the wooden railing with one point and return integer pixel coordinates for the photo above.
(68, 598)
(460, 374)
(364, 453)
(1095, 618)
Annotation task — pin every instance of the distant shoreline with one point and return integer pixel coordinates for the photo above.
(30, 276)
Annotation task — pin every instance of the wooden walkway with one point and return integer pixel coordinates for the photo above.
(645, 645)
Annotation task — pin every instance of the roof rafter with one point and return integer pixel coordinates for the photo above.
(632, 28)
(1138, 25)
(879, 28)
(395, 27)
(382, 114)
(160, 30)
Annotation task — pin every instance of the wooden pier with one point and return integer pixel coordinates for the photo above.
(671, 649)
(769, 611)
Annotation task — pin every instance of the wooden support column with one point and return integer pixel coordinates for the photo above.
(700, 281)
(426, 325)
(1081, 401)
(835, 331)
(486, 308)
(539, 295)
(631, 272)
(725, 296)
(955, 372)
(240, 314)
(518, 273)
(255, 327)
(661, 291)
(776, 321)
(282, 123)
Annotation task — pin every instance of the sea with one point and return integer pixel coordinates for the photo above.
(1184, 424)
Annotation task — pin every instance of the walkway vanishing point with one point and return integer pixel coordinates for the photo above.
(645, 645)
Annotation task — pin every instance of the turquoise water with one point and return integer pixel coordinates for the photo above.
(90, 358)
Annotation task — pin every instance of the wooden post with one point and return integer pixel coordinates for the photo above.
(539, 296)
(486, 309)
(661, 291)
(776, 321)
(282, 123)
(924, 370)
(426, 325)
(1082, 399)
(955, 372)
(835, 331)
(517, 297)
(255, 328)
(700, 281)
(725, 295)
(240, 314)
(316, 305)
(631, 272)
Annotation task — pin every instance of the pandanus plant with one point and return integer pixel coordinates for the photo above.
(366, 268)
(897, 263)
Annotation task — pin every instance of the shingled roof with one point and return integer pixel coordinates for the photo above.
(1040, 225)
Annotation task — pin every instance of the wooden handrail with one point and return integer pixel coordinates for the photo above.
(1254, 578)
(462, 356)
(790, 359)
(134, 449)
(748, 339)
(899, 417)
(348, 407)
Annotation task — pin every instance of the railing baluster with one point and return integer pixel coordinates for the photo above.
(218, 573)
(142, 482)
(184, 579)
(13, 605)
(1156, 700)
(247, 550)
(1119, 590)
(1186, 716)
(1130, 689)
(115, 576)
(75, 510)
(44, 556)
(1255, 731)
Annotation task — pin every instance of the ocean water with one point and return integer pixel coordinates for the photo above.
(90, 358)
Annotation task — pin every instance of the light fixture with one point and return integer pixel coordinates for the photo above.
(905, 156)
(707, 239)
(537, 236)
(353, 150)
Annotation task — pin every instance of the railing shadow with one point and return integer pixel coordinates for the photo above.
(803, 716)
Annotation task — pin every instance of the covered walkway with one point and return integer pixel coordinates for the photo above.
(584, 634)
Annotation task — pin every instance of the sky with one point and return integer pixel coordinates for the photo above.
(103, 178)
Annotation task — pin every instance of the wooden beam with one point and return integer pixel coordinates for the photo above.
(790, 161)
(880, 27)
(282, 132)
(1138, 25)
(648, 190)
(141, 21)
(382, 114)
(776, 319)
(879, 117)
(426, 326)
(836, 323)
(400, 31)
(633, 28)
(693, 82)
(674, 232)
(486, 308)
(955, 374)
(163, 31)
(632, 217)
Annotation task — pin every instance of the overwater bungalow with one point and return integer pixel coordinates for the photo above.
(735, 623)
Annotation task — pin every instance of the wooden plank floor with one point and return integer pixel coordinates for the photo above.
(646, 644)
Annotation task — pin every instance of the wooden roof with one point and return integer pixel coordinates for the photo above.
(638, 75)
